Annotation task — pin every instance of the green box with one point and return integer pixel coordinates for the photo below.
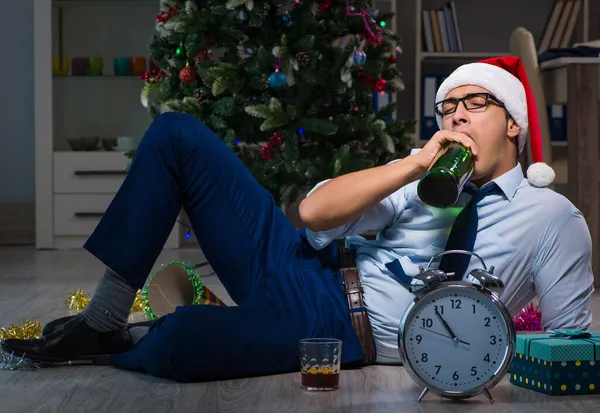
(563, 363)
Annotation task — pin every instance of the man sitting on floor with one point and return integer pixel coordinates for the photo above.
(284, 281)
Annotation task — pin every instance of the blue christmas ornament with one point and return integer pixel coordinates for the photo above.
(360, 57)
(277, 80)
(287, 17)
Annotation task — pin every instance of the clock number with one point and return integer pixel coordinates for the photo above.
(456, 304)
(487, 357)
(492, 339)
(487, 321)
(424, 357)
(438, 367)
(473, 371)
(419, 338)
(455, 375)
(427, 322)
(441, 309)
(473, 305)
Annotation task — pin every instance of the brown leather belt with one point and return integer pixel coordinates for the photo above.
(354, 295)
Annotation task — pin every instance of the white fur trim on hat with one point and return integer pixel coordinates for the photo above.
(540, 174)
(500, 83)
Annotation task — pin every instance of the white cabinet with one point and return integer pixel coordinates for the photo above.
(74, 188)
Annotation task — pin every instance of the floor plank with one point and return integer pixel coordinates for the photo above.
(35, 283)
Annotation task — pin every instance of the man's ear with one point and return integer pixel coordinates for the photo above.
(513, 129)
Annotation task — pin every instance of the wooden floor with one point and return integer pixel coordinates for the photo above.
(35, 283)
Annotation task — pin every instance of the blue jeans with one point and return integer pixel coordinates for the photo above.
(284, 289)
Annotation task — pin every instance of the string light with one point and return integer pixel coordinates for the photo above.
(188, 233)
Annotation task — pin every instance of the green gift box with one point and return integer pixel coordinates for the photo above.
(563, 363)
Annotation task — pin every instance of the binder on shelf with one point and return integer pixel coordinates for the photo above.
(431, 83)
(381, 100)
(557, 120)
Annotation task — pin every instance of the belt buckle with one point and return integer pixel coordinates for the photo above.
(353, 290)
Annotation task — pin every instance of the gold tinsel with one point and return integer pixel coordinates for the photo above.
(29, 329)
(138, 304)
(78, 300)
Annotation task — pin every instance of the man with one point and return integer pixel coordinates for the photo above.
(536, 239)
(284, 281)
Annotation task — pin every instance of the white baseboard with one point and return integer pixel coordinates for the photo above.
(17, 224)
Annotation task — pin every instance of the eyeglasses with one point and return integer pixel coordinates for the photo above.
(471, 102)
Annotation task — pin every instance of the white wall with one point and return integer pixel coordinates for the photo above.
(16, 104)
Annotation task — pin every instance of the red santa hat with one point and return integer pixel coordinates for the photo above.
(505, 78)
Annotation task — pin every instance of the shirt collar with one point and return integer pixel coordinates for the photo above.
(508, 182)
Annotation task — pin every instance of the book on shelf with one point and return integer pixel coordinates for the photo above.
(441, 31)
(560, 25)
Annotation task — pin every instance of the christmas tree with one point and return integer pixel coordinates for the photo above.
(289, 86)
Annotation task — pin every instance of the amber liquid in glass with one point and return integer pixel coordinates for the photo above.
(320, 380)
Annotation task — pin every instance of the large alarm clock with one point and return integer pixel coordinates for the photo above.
(456, 338)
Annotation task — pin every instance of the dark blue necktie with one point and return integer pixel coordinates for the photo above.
(464, 231)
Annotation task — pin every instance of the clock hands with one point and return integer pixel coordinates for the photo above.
(446, 326)
(444, 335)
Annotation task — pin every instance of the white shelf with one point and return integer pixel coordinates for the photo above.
(111, 3)
(460, 55)
(69, 107)
(96, 77)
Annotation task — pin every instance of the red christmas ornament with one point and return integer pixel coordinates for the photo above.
(153, 77)
(380, 85)
(187, 75)
(366, 79)
(274, 145)
(393, 58)
(204, 55)
(165, 16)
(324, 5)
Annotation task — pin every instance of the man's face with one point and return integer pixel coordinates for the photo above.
(486, 123)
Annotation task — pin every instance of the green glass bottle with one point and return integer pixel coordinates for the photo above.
(442, 184)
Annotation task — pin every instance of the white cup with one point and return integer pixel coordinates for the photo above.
(126, 143)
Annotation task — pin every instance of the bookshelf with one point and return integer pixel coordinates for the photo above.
(469, 35)
(75, 184)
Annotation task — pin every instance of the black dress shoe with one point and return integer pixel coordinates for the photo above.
(54, 324)
(72, 342)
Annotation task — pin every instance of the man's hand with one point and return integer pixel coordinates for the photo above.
(438, 143)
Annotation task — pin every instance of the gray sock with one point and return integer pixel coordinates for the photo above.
(138, 333)
(111, 303)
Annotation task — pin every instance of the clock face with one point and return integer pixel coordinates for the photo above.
(456, 339)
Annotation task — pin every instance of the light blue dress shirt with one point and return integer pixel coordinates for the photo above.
(535, 238)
